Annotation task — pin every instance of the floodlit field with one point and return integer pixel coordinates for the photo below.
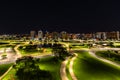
(33, 51)
(4, 68)
(10, 75)
(49, 64)
(88, 68)
(116, 44)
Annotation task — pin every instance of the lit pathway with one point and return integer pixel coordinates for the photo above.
(63, 70)
(17, 51)
(104, 60)
(71, 67)
(5, 73)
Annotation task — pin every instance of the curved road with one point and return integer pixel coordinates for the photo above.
(63, 70)
(71, 67)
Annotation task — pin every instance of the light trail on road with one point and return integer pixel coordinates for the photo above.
(71, 68)
(63, 70)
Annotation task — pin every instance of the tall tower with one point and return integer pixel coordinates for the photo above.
(40, 35)
(118, 34)
(104, 36)
(32, 35)
(63, 35)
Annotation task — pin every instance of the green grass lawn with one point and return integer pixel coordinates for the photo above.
(35, 53)
(47, 64)
(78, 47)
(50, 65)
(4, 68)
(6, 46)
(10, 75)
(116, 44)
(87, 67)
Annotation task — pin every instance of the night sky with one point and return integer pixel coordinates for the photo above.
(76, 17)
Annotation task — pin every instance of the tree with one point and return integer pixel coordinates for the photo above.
(28, 69)
(30, 42)
(59, 52)
(111, 44)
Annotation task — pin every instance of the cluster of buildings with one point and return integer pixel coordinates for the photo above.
(40, 35)
(114, 35)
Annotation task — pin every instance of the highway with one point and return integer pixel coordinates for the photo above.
(71, 67)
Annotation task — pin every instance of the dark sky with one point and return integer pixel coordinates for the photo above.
(70, 16)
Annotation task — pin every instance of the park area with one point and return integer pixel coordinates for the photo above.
(87, 67)
(45, 64)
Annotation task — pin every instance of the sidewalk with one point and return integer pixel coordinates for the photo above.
(71, 68)
(63, 70)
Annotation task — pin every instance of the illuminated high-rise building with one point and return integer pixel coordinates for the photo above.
(40, 35)
(63, 35)
(104, 36)
(32, 35)
(118, 35)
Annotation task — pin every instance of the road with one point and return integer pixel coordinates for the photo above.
(71, 67)
(63, 66)
(63, 70)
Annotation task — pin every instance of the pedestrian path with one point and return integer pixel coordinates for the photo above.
(71, 67)
(63, 70)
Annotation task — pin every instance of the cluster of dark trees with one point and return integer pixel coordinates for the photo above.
(33, 48)
(3, 43)
(27, 68)
(29, 48)
(60, 52)
(45, 45)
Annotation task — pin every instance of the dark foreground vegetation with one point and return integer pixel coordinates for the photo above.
(27, 68)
